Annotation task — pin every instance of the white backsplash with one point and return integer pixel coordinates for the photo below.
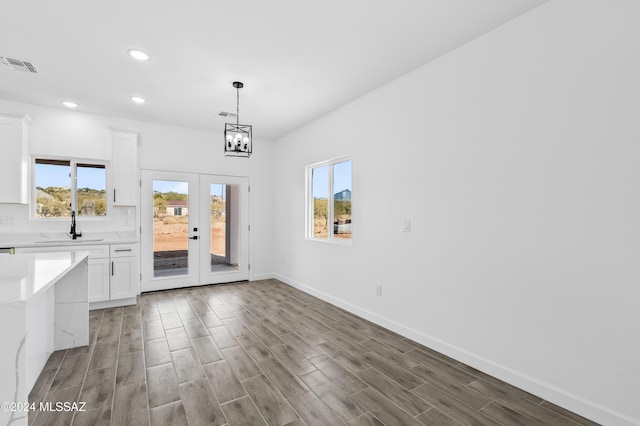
(14, 218)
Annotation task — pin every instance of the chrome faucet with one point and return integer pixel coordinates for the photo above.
(73, 232)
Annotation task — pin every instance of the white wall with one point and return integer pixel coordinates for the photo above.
(516, 159)
(70, 133)
(183, 150)
(61, 133)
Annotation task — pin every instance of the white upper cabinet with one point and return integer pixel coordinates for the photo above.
(124, 168)
(14, 160)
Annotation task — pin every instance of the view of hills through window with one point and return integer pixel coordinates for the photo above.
(64, 185)
(337, 210)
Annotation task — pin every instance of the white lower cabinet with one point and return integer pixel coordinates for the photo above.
(124, 271)
(98, 279)
(113, 270)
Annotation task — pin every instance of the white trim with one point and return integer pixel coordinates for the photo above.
(199, 271)
(73, 163)
(335, 241)
(124, 131)
(577, 404)
(113, 303)
(330, 201)
(260, 277)
(331, 161)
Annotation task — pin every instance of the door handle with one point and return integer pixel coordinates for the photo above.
(195, 237)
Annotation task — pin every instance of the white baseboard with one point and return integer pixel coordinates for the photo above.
(258, 277)
(578, 405)
(113, 303)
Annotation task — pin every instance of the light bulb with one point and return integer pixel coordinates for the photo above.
(138, 54)
(245, 140)
(229, 137)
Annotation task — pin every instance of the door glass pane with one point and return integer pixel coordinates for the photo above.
(342, 199)
(91, 190)
(224, 226)
(170, 228)
(218, 247)
(319, 187)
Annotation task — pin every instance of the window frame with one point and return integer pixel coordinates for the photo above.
(73, 181)
(309, 206)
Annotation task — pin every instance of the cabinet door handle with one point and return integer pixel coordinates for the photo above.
(195, 237)
(114, 195)
(121, 250)
(113, 269)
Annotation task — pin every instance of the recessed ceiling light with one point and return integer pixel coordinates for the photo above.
(70, 104)
(138, 54)
(138, 99)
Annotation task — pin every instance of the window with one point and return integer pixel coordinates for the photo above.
(329, 200)
(65, 185)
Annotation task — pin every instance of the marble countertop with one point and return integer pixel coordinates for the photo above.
(50, 239)
(24, 275)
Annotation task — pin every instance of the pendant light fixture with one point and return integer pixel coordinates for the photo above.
(237, 137)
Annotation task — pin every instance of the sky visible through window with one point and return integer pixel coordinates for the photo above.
(342, 176)
(58, 176)
(49, 175)
(219, 189)
(341, 179)
(165, 186)
(178, 187)
(89, 177)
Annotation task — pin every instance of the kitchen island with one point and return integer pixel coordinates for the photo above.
(114, 277)
(43, 307)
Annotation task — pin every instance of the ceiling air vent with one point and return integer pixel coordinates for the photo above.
(227, 114)
(18, 65)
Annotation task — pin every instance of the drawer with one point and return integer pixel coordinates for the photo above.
(95, 252)
(123, 250)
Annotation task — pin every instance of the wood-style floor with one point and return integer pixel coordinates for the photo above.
(265, 353)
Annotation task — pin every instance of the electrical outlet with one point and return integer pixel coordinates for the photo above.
(378, 290)
(406, 226)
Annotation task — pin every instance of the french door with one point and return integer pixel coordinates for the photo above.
(195, 229)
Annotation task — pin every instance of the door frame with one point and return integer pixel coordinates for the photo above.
(199, 269)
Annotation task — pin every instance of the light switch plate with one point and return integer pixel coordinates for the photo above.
(6, 220)
(406, 227)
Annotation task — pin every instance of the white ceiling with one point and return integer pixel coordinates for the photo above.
(299, 59)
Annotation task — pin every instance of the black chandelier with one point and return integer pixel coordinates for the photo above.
(237, 136)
